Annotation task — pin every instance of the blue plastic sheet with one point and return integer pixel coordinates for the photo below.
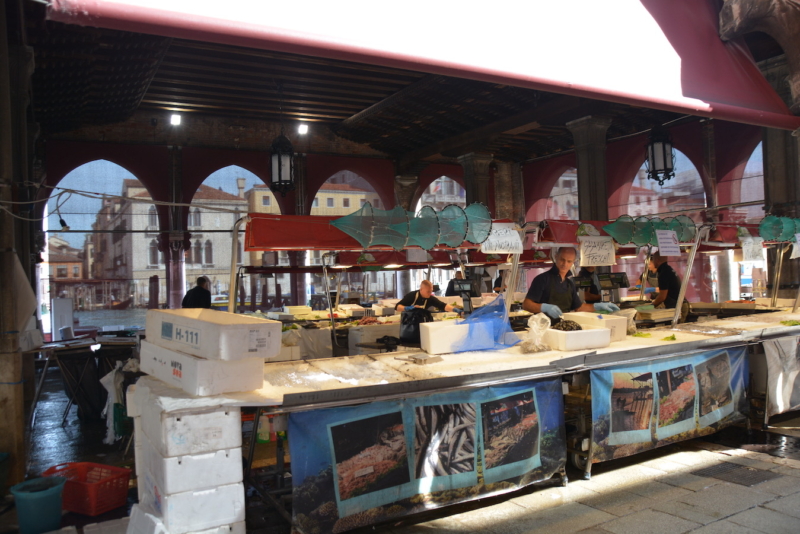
(491, 319)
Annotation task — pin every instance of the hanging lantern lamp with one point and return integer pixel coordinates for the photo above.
(660, 156)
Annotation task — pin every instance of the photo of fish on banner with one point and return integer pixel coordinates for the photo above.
(636, 408)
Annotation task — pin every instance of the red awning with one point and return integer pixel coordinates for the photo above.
(664, 55)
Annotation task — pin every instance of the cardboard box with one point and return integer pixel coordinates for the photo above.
(199, 376)
(214, 335)
(617, 324)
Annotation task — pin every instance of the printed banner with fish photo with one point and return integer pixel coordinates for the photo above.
(647, 405)
(783, 374)
(363, 465)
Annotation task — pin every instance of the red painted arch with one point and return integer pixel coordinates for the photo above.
(379, 173)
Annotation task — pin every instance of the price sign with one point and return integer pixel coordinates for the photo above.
(668, 243)
(596, 250)
(796, 247)
(752, 248)
(503, 239)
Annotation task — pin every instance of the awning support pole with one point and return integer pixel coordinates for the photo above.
(512, 281)
(233, 285)
(703, 230)
(330, 303)
(778, 271)
(796, 301)
(644, 277)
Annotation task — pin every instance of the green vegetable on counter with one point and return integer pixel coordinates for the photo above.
(670, 338)
(790, 323)
(643, 334)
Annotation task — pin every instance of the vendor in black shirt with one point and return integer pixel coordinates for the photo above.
(423, 299)
(554, 292)
(451, 285)
(592, 294)
(669, 285)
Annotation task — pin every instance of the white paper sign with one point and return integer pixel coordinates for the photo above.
(416, 255)
(752, 248)
(503, 239)
(668, 243)
(596, 250)
(796, 247)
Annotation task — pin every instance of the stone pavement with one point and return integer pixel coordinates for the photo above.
(652, 492)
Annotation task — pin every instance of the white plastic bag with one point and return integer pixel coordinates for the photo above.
(290, 338)
(629, 314)
(537, 325)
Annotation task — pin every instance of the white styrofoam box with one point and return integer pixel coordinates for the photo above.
(195, 510)
(368, 334)
(455, 300)
(616, 323)
(196, 432)
(199, 376)
(287, 354)
(191, 472)
(388, 303)
(115, 526)
(280, 316)
(130, 404)
(780, 303)
(297, 310)
(138, 435)
(140, 522)
(214, 335)
(591, 337)
(513, 337)
(383, 310)
(443, 337)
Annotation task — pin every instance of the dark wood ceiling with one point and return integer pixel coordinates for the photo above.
(89, 76)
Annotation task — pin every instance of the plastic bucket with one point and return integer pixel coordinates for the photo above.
(39, 504)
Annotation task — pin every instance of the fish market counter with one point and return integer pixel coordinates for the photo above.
(376, 437)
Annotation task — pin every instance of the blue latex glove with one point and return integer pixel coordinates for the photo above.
(609, 307)
(458, 310)
(551, 310)
(649, 290)
(409, 308)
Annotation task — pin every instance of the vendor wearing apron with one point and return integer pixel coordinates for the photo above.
(423, 299)
(554, 292)
(669, 285)
(592, 294)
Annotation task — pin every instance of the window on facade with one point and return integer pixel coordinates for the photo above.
(196, 221)
(76, 271)
(61, 271)
(153, 252)
(377, 203)
(209, 253)
(330, 202)
(638, 199)
(266, 201)
(345, 202)
(315, 204)
(198, 252)
(363, 201)
(152, 217)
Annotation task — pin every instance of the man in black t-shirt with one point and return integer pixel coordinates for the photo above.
(423, 299)
(669, 285)
(199, 296)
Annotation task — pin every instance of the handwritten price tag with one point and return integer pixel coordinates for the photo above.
(596, 251)
(752, 248)
(503, 239)
(668, 243)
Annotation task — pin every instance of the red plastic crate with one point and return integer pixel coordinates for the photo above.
(92, 489)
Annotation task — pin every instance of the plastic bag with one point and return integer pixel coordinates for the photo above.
(629, 314)
(537, 325)
(290, 338)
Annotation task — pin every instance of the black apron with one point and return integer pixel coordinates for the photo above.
(562, 300)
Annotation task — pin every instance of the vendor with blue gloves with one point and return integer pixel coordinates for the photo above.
(554, 292)
(423, 299)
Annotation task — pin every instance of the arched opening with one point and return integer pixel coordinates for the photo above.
(216, 205)
(107, 251)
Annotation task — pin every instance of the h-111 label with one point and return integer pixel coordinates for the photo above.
(181, 334)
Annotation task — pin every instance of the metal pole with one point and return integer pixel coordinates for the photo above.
(643, 280)
(688, 274)
(796, 301)
(330, 303)
(778, 271)
(233, 286)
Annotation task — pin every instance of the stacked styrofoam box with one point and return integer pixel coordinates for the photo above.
(298, 310)
(591, 337)
(616, 323)
(188, 464)
(383, 310)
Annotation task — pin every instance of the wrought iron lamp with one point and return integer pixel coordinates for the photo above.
(659, 156)
(282, 178)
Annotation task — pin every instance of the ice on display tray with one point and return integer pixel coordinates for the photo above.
(214, 335)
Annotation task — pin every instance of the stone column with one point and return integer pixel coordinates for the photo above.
(590, 152)
(177, 240)
(300, 184)
(405, 186)
(476, 176)
(504, 191)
